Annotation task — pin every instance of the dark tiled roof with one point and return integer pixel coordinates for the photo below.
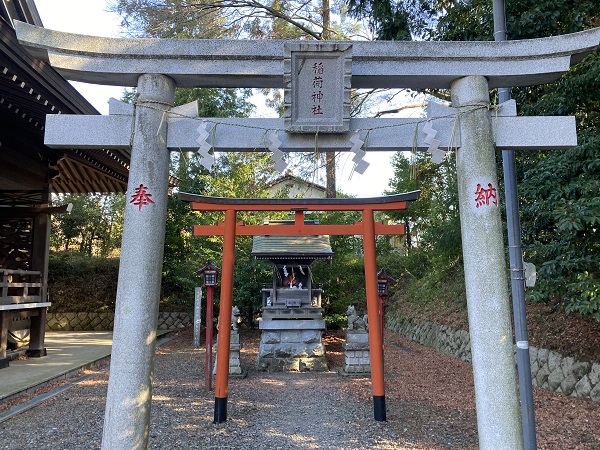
(291, 247)
(29, 90)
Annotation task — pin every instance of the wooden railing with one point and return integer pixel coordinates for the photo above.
(20, 286)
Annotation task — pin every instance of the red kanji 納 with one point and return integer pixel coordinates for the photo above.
(485, 196)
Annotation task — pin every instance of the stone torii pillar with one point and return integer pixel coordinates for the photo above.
(469, 68)
(499, 426)
(130, 384)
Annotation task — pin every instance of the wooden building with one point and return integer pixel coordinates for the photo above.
(30, 173)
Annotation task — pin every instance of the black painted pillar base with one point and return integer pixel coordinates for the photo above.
(36, 352)
(379, 407)
(4, 363)
(220, 410)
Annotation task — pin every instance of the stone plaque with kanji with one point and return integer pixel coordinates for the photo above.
(317, 77)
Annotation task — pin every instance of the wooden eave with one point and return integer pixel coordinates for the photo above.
(29, 90)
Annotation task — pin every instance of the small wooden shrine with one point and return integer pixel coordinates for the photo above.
(292, 319)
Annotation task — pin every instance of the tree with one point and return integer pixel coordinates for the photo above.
(559, 196)
(274, 19)
(93, 227)
(432, 223)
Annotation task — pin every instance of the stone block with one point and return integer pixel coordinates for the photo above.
(595, 374)
(579, 369)
(237, 370)
(534, 368)
(566, 365)
(311, 336)
(299, 351)
(51, 323)
(583, 387)
(266, 350)
(286, 364)
(317, 349)
(554, 360)
(542, 375)
(567, 386)
(291, 337)
(270, 337)
(595, 393)
(542, 356)
(350, 346)
(293, 324)
(357, 337)
(283, 351)
(555, 378)
(533, 351)
(355, 370)
(312, 365)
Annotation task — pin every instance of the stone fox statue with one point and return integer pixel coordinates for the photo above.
(354, 321)
(235, 318)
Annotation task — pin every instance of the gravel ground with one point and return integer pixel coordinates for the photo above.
(429, 397)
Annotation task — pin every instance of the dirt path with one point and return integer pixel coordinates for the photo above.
(429, 399)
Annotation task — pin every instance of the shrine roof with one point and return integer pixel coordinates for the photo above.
(291, 247)
(30, 92)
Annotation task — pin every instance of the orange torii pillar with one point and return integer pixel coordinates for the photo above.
(222, 382)
(368, 228)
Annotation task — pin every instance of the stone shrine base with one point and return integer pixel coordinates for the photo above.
(291, 346)
(358, 357)
(235, 368)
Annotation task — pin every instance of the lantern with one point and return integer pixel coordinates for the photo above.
(209, 273)
(382, 283)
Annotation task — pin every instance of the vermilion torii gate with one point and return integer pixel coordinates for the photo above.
(152, 126)
(368, 229)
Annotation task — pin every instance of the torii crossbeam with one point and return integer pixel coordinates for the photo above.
(368, 229)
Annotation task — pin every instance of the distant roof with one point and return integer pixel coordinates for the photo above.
(290, 177)
(291, 247)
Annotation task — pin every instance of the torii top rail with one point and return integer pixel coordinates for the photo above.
(368, 228)
(299, 206)
(259, 63)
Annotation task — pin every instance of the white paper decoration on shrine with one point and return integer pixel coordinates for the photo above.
(437, 154)
(276, 153)
(360, 165)
(207, 159)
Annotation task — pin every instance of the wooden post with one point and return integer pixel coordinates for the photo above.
(209, 337)
(4, 321)
(37, 333)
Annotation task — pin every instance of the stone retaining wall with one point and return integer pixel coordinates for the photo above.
(96, 321)
(549, 369)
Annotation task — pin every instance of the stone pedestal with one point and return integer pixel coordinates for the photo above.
(235, 368)
(291, 346)
(358, 356)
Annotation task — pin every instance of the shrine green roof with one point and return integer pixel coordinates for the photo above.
(291, 247)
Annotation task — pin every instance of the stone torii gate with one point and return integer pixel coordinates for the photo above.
(157, 66)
